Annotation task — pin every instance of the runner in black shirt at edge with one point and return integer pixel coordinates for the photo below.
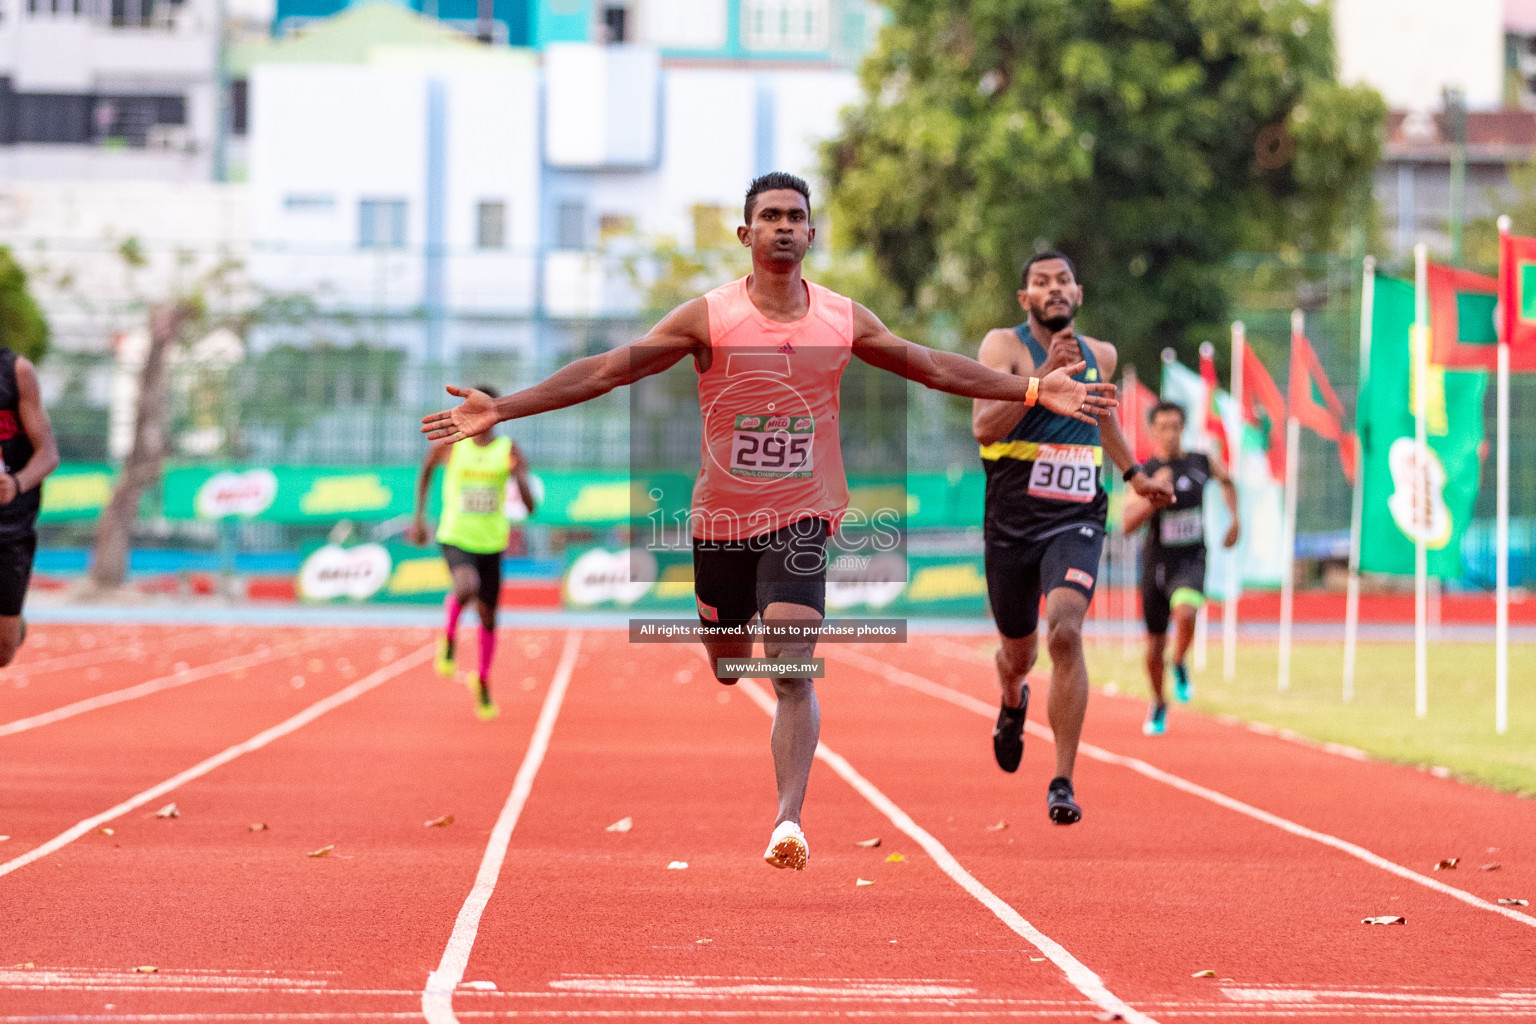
(1045, 513)
(30, 454)
(1173, 560)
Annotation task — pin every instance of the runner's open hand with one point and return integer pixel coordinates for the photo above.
(1087, 402)
(475, 415)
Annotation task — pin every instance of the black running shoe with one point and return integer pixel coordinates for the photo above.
(1008, 734)
(1059, 803)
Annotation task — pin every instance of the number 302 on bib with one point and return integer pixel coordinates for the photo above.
(1064, 472)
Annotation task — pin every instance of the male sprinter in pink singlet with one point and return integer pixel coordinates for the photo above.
(770, 350)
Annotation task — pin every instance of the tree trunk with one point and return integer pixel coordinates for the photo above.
(141, 469)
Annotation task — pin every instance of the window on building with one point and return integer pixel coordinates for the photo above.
(51, 117)
(381, 223)
(784, 24)
(491, 224)
(684, 24)
(239, 106)
(616, 23)
(571, 225)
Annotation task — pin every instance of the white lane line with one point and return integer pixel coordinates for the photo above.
(1081, 978)
(437, 996)
(144, 689)
(225, 756)
(901, 677)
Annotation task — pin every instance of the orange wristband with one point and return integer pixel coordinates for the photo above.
(1033, 394)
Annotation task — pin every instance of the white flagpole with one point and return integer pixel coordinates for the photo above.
(1235, 460)
(1501, 527)
(1288, 528)
(1421, 481)
(1357, 512)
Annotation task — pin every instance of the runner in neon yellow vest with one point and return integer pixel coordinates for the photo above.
(473, 535)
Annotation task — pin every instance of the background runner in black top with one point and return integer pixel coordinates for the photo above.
(30, 454)
(1044, 531)
(1173, 558)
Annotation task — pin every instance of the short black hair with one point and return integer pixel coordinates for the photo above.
(769, 182)
(1041, 257)
(488, 389)
(1167, 406)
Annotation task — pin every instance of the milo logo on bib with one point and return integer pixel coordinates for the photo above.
(772, 447)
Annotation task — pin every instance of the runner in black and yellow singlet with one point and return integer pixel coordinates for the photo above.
(1045, 513)
(1173, 557)
(473, 536)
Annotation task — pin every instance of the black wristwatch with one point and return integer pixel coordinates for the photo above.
(1126, 476)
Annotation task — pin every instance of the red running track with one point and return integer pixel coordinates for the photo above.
(1211, 848)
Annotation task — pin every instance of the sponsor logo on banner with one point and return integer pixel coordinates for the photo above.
(236, 494)
(333, 572)
(609, 577)
(1418, 503)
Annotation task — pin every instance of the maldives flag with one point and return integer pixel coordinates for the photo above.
(1265, 409)
(1136, 404)
(1463, 330)
(1517, 301)
(1215, 429)
(1314, 403)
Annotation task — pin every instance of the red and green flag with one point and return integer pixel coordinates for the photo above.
(1517, 300)
(1463, 325)
(1314, 403)
(1265, 409)
(1136, 402)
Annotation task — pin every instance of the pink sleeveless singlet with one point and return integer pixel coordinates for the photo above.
(769, 399)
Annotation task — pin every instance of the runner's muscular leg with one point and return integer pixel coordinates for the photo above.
(797, 718)
(1064, 612)
(1183, 631)
(1156, 644)
(1015, 659)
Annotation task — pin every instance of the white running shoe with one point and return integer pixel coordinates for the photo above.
(787, 847)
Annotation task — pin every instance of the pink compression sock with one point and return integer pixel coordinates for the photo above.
(454, 609)
(487, 651)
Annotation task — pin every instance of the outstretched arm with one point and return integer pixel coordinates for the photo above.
(948, 371)
(681, 333)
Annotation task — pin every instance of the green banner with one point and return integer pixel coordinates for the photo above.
(325, 494)
(1444, 478)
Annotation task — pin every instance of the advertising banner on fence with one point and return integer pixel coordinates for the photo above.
(372, 572)
(76, 491)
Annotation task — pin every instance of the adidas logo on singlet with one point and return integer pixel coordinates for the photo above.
(787, 349)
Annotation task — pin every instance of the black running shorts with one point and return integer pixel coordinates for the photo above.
(734, 580)
(15, 571)
(487, 570)
(1020, 573)
(1163, 578)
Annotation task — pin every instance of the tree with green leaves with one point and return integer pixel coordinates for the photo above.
(1149, 139)
(22, 326)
